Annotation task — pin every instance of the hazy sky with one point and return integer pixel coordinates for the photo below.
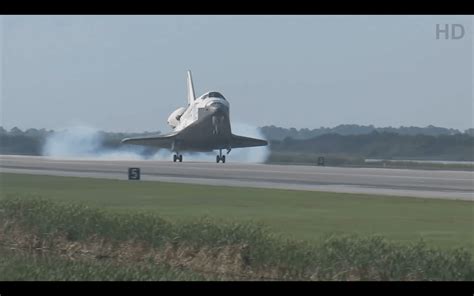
(127, 73)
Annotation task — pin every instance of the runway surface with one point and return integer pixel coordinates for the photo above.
(395, 182)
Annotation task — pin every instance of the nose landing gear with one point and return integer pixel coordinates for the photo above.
(220, 157)
(178, 157)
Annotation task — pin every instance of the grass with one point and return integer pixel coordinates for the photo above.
(16, 266)
(301, 215)
(46, 240)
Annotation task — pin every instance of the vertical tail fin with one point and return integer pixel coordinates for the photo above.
(191, 95)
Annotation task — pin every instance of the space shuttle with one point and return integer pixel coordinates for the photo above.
(201, 126)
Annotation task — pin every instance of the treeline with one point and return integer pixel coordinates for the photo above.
(279, 133)
(384, 145)
(28, 142)
(31, 141)
(376, 144)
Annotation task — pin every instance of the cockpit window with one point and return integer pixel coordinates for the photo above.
(215, 94)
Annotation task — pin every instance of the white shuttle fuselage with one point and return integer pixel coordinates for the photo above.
(203, 125)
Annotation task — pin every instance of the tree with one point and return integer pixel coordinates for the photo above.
(16, 131)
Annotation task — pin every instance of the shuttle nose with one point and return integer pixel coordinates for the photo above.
(218, 108)
(218, 112)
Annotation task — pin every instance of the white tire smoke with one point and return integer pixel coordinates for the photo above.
(83, 142)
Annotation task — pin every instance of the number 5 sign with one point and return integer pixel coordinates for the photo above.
(134, 173)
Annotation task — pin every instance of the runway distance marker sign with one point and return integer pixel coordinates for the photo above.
(134, 173)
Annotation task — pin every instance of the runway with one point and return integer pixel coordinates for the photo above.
(394, 182)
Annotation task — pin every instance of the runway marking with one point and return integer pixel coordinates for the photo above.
(342, 188)
(230, 168)
(449, 184)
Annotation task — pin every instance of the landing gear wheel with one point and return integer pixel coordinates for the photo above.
(181, 158)
(220, 157)
(174, 157)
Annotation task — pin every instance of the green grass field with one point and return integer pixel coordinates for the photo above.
(293, 214)
(42, 239)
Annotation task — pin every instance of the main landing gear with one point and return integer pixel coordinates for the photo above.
(220, 157)
(178, 157)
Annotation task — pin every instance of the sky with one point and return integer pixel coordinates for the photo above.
(128, 73)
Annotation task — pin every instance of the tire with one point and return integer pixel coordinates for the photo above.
(174, 157)
(217, 158)
(181, 158)
(223, 158)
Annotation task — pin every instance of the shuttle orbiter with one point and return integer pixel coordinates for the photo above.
(203, 126)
